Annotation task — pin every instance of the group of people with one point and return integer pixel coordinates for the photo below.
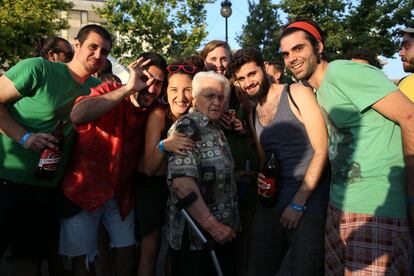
(198, 132)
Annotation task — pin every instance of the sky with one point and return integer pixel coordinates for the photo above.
(216, 29)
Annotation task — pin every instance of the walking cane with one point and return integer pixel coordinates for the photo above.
(209, 244)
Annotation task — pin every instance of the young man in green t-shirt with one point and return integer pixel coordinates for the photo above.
(34, 95)
(371, 134)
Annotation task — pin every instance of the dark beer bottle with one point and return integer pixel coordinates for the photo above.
(270, 171)
(50, 158)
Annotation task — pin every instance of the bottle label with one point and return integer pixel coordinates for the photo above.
(270, 190)
(49, 159)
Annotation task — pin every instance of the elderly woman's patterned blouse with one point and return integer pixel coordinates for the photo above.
(211, 164)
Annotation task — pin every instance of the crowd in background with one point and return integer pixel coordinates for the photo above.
(199, 134)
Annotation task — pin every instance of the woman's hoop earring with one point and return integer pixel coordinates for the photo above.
(164, 99)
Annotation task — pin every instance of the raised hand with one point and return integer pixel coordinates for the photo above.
(139, 78)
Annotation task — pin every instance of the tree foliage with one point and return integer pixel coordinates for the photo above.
(348, 24)
(375, 24)
(174, 28)
(262, 30)
(24, 22)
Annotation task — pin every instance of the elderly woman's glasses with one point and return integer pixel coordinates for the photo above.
(186, 68)
(211, 96)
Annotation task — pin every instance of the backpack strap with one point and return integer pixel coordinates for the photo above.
(401, 80)
(260, 151)
(291, 98)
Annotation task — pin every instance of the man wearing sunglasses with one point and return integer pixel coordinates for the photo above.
(111, 125)
(56, 49)
(34, 95)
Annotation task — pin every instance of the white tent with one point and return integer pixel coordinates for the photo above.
(118, 69)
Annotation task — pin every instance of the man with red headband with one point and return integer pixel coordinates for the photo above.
(371, 134)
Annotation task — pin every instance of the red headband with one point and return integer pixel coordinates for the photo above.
(307, 27)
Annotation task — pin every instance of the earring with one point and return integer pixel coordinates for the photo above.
(164, 99)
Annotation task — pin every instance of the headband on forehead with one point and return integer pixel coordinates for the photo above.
(306, 27)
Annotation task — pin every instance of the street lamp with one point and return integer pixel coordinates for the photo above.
(226, 12)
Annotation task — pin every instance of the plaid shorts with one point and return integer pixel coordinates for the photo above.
(358, 244)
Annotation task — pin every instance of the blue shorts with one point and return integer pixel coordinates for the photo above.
(79, 234)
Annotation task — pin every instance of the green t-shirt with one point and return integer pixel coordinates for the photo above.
(365, 148)
(48, 95)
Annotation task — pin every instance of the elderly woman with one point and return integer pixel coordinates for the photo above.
(208, 171)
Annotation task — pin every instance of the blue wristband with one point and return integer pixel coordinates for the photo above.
(411, 200)
(24, 138)
(297, 207)
(161, 146)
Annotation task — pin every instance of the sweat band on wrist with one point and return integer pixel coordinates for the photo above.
(297, 207)
(411, 200)
(161, 146)
(24, 138)
(186, 201)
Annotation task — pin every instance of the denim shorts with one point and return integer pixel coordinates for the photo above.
(79, 234)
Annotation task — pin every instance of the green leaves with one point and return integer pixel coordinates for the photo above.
(23, 23)
(349, 24)
(262, 30)
(173, 28)
(375, 24)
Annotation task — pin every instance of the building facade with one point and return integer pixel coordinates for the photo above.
(81, 14)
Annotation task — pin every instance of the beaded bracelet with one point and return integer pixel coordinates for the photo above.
(297, 207)
(161, 146)
(24, 138)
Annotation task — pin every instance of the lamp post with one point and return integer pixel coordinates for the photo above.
(226, 12)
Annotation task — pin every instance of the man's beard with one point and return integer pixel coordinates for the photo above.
(410, 67)
(311, 67)
(92, 69)
(264, 87)
(145, 98)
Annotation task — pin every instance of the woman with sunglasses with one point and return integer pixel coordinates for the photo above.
(151, 197)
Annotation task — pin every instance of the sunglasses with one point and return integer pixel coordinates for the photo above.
(186, 68)
(68, 54)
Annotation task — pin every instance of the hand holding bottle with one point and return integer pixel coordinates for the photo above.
(266, 180)
(51, 156)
